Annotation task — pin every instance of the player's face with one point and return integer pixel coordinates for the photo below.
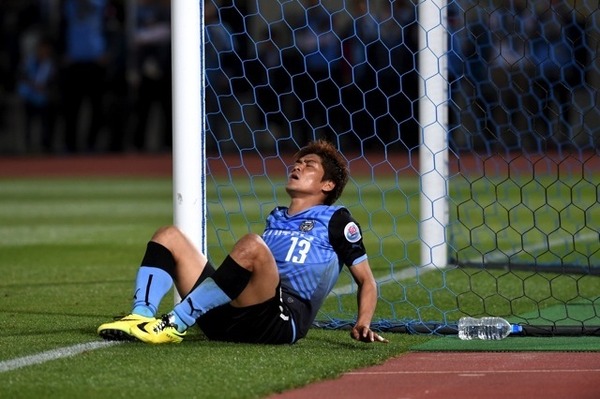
(306, 177)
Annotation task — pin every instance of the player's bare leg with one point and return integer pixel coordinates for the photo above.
(189, 261)
(247, 276)
(251, 253)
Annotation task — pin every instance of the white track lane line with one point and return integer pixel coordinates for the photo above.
(466, 373)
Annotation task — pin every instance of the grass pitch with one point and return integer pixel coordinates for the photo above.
(69, 251)
(70, 248)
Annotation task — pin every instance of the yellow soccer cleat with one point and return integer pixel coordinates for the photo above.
(158, 331)
(120, 330)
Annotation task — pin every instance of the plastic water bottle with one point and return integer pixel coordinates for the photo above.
(486, 328)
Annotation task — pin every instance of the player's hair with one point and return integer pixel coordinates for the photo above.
(334, 165)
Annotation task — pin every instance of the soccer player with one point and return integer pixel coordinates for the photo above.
(270, 287)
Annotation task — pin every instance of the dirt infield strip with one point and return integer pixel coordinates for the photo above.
(447, 375)
(480, 375)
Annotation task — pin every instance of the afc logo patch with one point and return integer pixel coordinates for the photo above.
(352, 232)
(307, 225)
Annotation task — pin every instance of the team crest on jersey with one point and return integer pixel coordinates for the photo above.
(307, 225)
(352, 232)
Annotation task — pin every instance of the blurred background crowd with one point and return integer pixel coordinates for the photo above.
(84, 75)
(92, 76)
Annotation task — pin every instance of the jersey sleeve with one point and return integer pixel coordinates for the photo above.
(345, 237)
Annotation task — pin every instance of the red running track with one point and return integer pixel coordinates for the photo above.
(472, 375)
(244, 164)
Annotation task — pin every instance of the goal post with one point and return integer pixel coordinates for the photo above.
(433, 120)
(189, 164)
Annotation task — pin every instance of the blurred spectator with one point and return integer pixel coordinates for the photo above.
(559, 53)
(84, 70)
(358, 75)
(37, 88)
(316, 86)
(117, 98)
(219, 48)
(381, 49)
(233, 15)
(457, 40)
(397, 112)
(467, 79)
(538, 59)
(21, 25)
(153, 52)
(509, 104)
(272, 81)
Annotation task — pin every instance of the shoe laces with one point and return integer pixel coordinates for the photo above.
(165, 321)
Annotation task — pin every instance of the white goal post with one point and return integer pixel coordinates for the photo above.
(189, 170)
(433, 120)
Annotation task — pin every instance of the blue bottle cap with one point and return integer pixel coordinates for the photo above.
(515, 328)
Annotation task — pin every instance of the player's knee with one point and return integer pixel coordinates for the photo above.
(249, 246)
(167, 235)
(252, 240)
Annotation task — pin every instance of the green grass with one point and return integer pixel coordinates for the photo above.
(69, 251)
(521, 220)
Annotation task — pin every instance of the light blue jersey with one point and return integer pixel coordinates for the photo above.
(310, 249)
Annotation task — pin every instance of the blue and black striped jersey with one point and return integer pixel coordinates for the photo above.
(310, 248)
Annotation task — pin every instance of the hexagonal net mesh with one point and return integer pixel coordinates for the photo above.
(521, 132)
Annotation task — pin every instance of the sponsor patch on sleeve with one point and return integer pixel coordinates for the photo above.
(352, 232)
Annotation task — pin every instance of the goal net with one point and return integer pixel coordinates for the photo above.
(497, 99)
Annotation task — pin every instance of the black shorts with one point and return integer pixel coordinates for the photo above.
(269, 322)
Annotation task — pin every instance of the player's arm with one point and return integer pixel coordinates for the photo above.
(367, 300)
(346, 238)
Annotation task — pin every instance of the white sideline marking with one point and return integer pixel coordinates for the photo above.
(53, 354)
(496, 257)
(403, 274)
(413, 272)
(69, 351)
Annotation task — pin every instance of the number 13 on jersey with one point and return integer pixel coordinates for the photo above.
(298, 250)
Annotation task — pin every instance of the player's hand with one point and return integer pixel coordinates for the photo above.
(365, 334)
